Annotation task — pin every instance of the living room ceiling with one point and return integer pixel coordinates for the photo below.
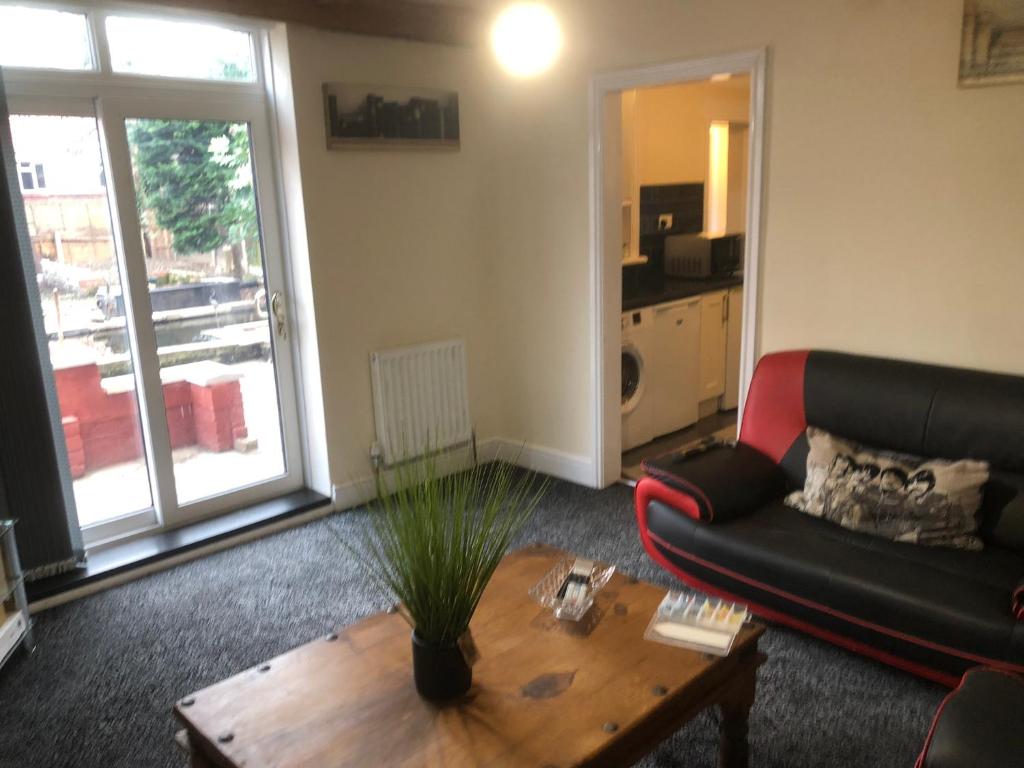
(432, 21)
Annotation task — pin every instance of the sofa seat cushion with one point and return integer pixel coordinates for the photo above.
(947, 601)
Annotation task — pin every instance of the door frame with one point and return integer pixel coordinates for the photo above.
(605, 251)
(109, 98)
(113, 114)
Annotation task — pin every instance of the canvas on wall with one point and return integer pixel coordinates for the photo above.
(381, 116)
(992, 46)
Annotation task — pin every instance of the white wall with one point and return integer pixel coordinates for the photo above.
(672, 122)
(396, 240)
(893, 205)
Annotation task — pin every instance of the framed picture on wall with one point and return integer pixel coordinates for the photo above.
(992, 45)
(369, 116)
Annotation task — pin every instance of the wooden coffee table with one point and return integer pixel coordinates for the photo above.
(545, 693)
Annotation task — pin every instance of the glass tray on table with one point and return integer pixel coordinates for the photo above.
(553, 590)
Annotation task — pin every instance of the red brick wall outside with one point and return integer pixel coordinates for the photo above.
(101, 429)
(76, 448)
(218, 415)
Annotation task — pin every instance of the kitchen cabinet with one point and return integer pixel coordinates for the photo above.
(712, 345)
(733, 341)
(675, 355)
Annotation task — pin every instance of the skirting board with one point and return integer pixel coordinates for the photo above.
(565, 466)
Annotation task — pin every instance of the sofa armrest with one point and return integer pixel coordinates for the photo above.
(977, 725)
(724, 481)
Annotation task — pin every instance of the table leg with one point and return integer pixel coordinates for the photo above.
(198, 760)
(734, 751)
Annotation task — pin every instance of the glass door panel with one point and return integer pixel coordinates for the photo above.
(63, 183)
(204, 255)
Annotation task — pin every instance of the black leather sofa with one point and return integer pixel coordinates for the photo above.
(717, 519)
(978, 724)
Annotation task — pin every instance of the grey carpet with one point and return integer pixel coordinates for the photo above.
(98, 690)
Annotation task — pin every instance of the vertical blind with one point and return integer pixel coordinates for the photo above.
(36, 482)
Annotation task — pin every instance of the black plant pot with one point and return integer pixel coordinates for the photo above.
(440, 671)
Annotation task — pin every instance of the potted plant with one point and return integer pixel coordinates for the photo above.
(433, 543)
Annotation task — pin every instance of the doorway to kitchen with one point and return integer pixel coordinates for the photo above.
(676, 179)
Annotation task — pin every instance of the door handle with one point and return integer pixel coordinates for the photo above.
(277, 310)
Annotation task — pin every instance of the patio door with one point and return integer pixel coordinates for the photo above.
(202, 248)
(159, 262)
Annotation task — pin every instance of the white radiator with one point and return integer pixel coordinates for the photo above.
(420, 399)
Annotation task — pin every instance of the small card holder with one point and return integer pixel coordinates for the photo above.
(570, 586)
(690, 619)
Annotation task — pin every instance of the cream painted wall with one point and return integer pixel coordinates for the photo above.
(396, 240)
(665, 139)
(893, 205)
(672, 122)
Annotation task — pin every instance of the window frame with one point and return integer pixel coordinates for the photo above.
(71, 6)
(35, 172)
(109, 97)
(102, 73)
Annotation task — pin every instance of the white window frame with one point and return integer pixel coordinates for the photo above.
(111, 97)
(32, 169)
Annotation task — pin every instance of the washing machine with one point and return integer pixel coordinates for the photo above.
(637, 407)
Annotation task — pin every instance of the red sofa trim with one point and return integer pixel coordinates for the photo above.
(648, 489)
(774, 415)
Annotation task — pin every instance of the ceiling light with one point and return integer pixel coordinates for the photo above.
(721, 77)
(526, 38)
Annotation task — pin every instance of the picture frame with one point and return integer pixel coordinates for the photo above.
(992, 43)
(360, 116)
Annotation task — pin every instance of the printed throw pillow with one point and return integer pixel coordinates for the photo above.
(903, 498)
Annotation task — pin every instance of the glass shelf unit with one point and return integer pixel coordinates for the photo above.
(15, 624)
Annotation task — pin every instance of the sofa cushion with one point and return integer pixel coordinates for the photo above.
(924, 410)
(947, 599)
(903, 498)
(1002, 512)
(723, 480)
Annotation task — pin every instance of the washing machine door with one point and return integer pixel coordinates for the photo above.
(633, 382)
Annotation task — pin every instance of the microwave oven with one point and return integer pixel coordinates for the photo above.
(698, 256)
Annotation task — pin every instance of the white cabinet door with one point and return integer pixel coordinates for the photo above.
(677, 357)
(712, 345)
(733, 340)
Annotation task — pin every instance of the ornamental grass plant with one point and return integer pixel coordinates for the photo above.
(434, 541)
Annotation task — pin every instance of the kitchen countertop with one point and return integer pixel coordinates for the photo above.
(676, 288)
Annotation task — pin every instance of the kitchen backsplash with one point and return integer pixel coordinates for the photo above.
(683, 204)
